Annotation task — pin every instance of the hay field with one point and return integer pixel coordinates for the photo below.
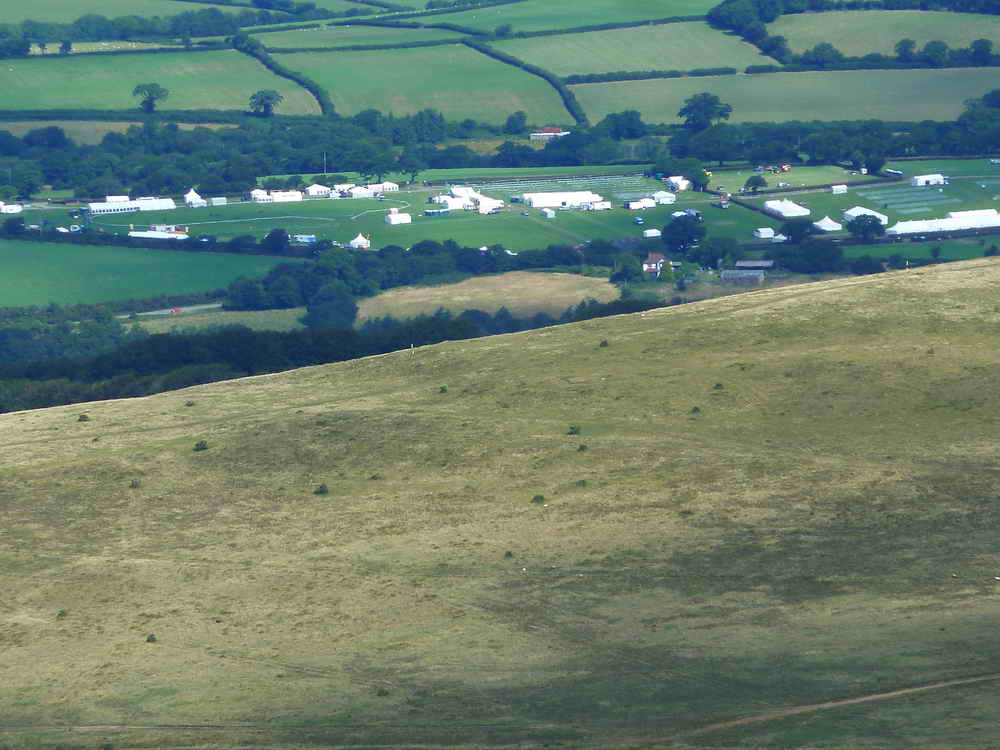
(862, 32)
(456, 80)
(196, 80)
(66, 11)
(524, 293)
(785, 497)
(343, 36)
(538, 15)
(843, 95)
(90, 132)
(258, 320)
(36, 273)
(671, 46)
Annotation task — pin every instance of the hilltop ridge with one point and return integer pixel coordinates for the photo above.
(628, 527)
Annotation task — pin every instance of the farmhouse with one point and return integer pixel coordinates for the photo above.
(654, 263)
(785, 209)
(956, 221)
(394, 218)
(853, 213)
(360, 243)
(318, 191)
(826, 224)
(561, 200)
(922, 180)
(193, 200)
(548, 134)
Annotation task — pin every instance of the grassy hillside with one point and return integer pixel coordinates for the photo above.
(843, 95)
(196, 80)
(671, 46)
(740, 506)
(66, 11)
(35, 273)
(861, 32)
(455, 80)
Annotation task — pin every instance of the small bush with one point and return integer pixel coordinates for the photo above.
(696, 410)
(603, 343)
(581, 448)
(150, 638)
(574, 429)
(538, 499)
(322, 490)
(135, 484)
(83, 418)
(508, 555)
(443, 389)
(61, 614)
(201, 445)
(189, 403)
(718, 387)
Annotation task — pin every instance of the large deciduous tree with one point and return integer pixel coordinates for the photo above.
(866, 227)
(264, 102)
(701, 110)
(150, 94)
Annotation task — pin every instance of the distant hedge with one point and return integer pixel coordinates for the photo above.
(388, 24)
(605, 27)
(643, 75)
(568, 97)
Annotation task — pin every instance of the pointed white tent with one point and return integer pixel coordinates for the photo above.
(826, 224)
(360, 242)
(193, 200)
(853, 213)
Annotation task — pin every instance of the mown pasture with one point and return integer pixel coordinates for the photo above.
(223, 79)
(343, 36)
(66, 11)
(89, 132)
(671, 46)
(743, 505)
(454, 79)
(963, 249)
(977, 167)
(861, 32)
(541, 15)
(893, 95)
(36, 273)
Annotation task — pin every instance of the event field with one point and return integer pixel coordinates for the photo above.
(894, 95)
(539, 15)
(670, 46)
(89, 132)
(455, 80)
(343, 36)
(222, 79)
(462, 175)
(978, 167)
(66, 11)
(800, 176)
(860, 32)
(36, 273)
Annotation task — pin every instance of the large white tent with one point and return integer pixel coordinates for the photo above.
(957, 220)
(318, 191)
(193, 200)
(826, 224)
(130, 206)
(785, 209)
(922, 180)
(360, 242)
(561, 200)
(394, 217)
(663, 198)
(853, 213)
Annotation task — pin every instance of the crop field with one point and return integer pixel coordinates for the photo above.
(196, 80)
(671, 46)
(843, 95)
(539, 15)
(456, 80)
(36, 273)
(859, 33)
(343, 36)
(89, 132)
(66, 11)
(258, 320)
(532, 539)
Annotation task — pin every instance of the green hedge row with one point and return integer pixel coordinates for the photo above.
(253, 48)
(290, 27)
(857, 63)
(438, 11)
(389, 24)
(568, 97)
(366, 47)
(606, 26)
(207, 116)
(643, 75)
(387, 6)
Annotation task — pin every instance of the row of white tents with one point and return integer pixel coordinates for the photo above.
(346, 190)
(460, 198)
(956, 221)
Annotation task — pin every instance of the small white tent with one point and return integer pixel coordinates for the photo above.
(922, 180)
(763, 233)
(651, 233)
(838, 189)
(826, 224)
(193, 200)
(663, 198)
(360, 242)
(318, 191)
(394, 217)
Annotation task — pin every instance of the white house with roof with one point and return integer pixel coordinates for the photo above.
(360, 242)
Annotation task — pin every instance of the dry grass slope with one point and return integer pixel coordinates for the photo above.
(774, 499)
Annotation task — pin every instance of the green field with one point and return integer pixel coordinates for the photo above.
(89, 132)
(977, 167)
(539, 15)
(35, 273)
(950, 249)
(66, 11)
(858, 33)
(844, 95)
(53, 48)
(671, 46)
(455, 80)
(471, 174)
(606, 535)
(343, 36)
(196, 80)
